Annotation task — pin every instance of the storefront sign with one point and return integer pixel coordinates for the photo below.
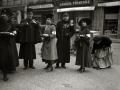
(82, 2)
(42, 6)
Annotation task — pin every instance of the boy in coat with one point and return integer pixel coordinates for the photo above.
(29, 36)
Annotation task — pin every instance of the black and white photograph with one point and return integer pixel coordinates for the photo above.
(59, 44)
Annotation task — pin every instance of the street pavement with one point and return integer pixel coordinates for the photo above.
(64, 79)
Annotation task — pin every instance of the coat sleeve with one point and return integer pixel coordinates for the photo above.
(93, 49)
(36, 23)
(58, 30)
(42, 28)
(53, 31)
(14, 29)
(22, 23)
(72, 31)
(86, 38)
(85, 32)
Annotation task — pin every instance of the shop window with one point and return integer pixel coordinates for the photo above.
(111, 26)
(111, 20)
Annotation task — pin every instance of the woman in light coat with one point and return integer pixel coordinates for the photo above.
(49, 50)
(102, 53)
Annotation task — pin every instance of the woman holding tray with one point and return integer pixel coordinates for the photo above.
(7, 53)
(83, 57)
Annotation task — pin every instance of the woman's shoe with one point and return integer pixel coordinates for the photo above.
(50, 69)
(109, 67)
(5, 77)
(98, 68)
(82, 70)
(79, 69)
(63, 67)
(46, 67)
(12, 72)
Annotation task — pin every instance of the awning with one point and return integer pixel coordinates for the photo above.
(109, 4)
(18, 6)
(43, 11)
(87, 8)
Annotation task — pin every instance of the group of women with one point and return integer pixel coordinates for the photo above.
(100, 56)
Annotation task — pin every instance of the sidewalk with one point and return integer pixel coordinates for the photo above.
(114, 40)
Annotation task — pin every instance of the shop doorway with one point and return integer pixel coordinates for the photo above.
(111, 21)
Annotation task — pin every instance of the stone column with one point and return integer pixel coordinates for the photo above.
(18, 16)
(25, 12)
(118, 32)
(55, 13)
(98, 19)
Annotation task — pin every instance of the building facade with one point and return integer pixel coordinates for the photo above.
(105, 14)
(18, 7)
(106, 17)
(41, 9)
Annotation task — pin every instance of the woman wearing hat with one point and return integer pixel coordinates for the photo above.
(83, 57)
(102, 54)
(49, 49)
(8, 51)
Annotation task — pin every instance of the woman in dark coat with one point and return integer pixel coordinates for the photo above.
(83, 56)
(8, 62)
(12, 22)
(64, 31)
(102, 54)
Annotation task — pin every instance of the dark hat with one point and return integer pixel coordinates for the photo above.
(49, 16)
(87, 20)
(29, 10)
(65, 14)
(7, 11)
(97, 38)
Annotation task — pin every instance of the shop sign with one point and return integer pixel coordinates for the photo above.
(42, 6)
(82, 2)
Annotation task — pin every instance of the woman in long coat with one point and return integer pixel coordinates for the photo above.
(12, 22)
(102, 54)
(49, 49)
(83, 56)
(8, 61)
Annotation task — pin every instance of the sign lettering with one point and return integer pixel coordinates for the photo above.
(75, 3)
(42, 6)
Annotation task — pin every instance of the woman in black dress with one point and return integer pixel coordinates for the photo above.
(83, 57)
(7, 53)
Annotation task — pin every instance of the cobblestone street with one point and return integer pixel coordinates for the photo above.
(116, 53)
(59, 25)
(64, 79)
